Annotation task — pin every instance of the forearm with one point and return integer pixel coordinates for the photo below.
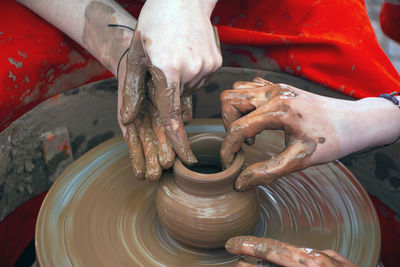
(374, 122)
(86, 22)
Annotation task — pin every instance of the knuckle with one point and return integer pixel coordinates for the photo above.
(170, 65)
(224, 96)
(194, 67)
(218, 61)
(212, 65)
(235, 128)
(281, 85)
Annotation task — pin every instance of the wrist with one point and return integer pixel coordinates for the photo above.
(204, 7)
(375, 123)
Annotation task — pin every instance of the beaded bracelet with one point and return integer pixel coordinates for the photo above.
(392, 97)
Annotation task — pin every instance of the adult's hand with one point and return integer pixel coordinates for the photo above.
(175, 43)
(283, 254)
(317, 129)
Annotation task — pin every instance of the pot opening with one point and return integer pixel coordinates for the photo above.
(205, 167)
(206, 150)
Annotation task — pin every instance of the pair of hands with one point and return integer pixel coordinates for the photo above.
(161, 75)
(153, 110)
(155, 102)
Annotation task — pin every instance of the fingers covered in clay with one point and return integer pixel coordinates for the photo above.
(262, 81)
(166, 154)
(250, 85)
(242, 263)
(293, 158)
(133, 90)
(135, 151)
(248, 112)
(149, 144)
(167, 100)
(238, 102)
(187, 108)
(258, 120)
(281, 253)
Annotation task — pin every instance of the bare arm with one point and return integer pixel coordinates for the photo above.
(164, 45)
(86, 22)
(317, 129)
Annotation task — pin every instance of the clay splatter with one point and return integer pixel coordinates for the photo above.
(12, 76)
(22, 54)
(15, 62)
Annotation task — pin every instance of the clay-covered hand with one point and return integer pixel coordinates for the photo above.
(149, 148)
(311, 124)
(283, 254)
(175, 46)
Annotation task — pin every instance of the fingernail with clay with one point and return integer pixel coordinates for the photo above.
(242, 182)
(231, 245)
(180, 143)
(226, 157)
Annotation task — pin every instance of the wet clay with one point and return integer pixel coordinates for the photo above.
(167, 100)
(133, 90)
(96, 214)
(97, 36)
(149, 144)
(203, 210)
(187, 108)
(166, 154)
(279, 252)
(135, 151)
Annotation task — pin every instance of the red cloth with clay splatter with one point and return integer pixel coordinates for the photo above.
(328, 42)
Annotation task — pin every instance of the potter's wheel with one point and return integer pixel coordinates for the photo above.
(96, 214)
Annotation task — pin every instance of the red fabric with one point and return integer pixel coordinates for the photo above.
(17, 230)
(390, 231)
(390, 20)
(37, 61)
(328, 42)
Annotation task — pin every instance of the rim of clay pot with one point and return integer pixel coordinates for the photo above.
(213, 183)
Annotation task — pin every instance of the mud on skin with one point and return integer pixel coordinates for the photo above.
(167, 100)
(133, 90)
(266, 107)
(149, 144)
(165, 97)
(135, 151)
(166, 154)
(282, 253)
(97, 16)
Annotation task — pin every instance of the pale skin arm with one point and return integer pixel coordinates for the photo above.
(165, 45)
(318, 129)
(86, 23)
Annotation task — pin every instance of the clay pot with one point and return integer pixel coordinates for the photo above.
(198, 205)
